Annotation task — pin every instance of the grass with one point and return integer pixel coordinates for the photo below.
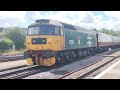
(11, 52)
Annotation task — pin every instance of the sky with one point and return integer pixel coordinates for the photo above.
(86, 19)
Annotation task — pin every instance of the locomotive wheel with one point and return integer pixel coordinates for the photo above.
(33, 60)
(88, 53)
(80, 54)
(74, 55)
(59, 59)
(70, 58)
(105, 49)
(84, 53)
(40, 56)
(92, 52)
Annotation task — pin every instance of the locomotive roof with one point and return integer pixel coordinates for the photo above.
(61, 24)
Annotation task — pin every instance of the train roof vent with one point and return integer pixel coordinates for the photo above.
(72, 27)
(42, 21)
(68, 26)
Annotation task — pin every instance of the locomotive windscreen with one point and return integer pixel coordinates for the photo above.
(43, 30)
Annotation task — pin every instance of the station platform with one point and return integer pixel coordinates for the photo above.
(113, 72)
(12, 64)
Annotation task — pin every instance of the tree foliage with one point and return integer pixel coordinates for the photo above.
(5, 44)
(1, 35)
(17, 35)
(110, 32)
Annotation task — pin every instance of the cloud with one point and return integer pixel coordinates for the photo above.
(113, 15)
(114, 20)
(87, 19)
(11, 18)
(72, 17)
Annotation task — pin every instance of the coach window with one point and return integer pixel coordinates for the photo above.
(57, 31)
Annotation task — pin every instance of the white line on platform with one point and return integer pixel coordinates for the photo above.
(102, 73)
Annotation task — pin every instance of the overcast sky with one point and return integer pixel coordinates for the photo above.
(88, 19)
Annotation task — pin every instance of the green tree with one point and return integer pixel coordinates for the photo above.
(17, 35)
(110, 32)
(5, 44)
(1, 35)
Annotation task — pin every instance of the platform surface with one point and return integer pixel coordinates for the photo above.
(6, 65)
(113, 72)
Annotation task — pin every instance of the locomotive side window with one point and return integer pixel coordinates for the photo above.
(57, 31)
(61, 30)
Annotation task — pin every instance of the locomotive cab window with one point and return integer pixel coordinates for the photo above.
(33, 31)
(44, 30)
(61, 30)
(47, 30)
(57, 31)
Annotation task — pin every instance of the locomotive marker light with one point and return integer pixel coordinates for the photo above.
(89, 40)
(33, 40)
(43, 40)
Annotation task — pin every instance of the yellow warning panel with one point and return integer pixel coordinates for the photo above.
(48, 61)
(29, 62)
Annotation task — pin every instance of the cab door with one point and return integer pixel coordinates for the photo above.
(58, 39)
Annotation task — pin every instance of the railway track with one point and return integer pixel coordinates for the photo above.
(22, 72)
(11, 58)
(12, 68)
(67, 69)
(87, 70)
(19, 72)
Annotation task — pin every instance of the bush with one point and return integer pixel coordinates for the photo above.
(110, 32)
(5, 44)
(1, 35)
(17, 35)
